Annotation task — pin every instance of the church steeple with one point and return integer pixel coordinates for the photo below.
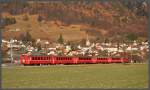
(87, 40)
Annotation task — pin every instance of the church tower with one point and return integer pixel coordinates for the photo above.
(87, 40)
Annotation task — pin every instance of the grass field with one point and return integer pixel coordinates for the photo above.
(76, 76)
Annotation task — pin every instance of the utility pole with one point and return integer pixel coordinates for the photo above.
(11, 51)
(131, 54)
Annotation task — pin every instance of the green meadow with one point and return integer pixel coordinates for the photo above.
(76, 76)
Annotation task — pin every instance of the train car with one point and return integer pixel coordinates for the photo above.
(84, 60)
(64, 60)
(24, 59)
(37, 60)
(102, 60)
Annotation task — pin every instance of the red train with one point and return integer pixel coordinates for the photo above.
(38, 60)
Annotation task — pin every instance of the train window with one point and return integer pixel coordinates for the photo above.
(32, 58)
(39, 58)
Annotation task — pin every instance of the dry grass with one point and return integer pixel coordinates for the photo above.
(45, 30)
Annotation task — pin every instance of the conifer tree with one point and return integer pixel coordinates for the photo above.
(60, 39)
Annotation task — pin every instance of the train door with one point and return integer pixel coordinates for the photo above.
(109, 60)
(27, 59)
(75, 60)
(94, 60)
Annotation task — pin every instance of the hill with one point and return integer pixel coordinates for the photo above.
(75, 19)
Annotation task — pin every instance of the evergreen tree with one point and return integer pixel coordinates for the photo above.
(39, 46)
(131, 37)
(106, 40)
(60, 39)
(26, 38)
